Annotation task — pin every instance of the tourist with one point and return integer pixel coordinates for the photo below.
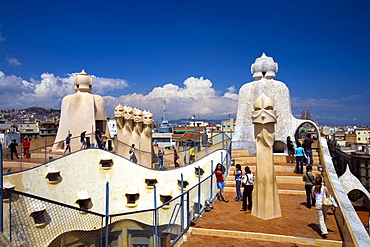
(26, 147)
(219, 172)
(83, 139)
(191, 154)
(309, 179)
(247, 183)
(290, 145)
(160, 159)
(104, 139)
(299, 156)
(308, 148)
(238, 182)
(98, 138)
(132, 154)
(68, 143)
(318, 192)
(175, 158)
(13, 148)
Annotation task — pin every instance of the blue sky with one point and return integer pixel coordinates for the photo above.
(194, 54)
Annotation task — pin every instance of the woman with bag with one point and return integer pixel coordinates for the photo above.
(309, 180)
(321, 194)
(247, 183)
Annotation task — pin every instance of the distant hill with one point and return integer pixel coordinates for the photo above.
(41, 111)
(47, 112)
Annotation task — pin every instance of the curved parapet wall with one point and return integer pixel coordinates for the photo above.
(352, 230)
(80, 179)
(89, 170)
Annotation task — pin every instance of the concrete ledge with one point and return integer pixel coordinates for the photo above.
(265, 237)
(289, 192)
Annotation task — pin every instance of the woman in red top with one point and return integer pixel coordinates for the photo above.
(220, 182)
(26, 147)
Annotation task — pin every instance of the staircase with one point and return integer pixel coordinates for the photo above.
(288, 181)
(226, 225)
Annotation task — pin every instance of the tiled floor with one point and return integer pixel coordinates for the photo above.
(297, 220)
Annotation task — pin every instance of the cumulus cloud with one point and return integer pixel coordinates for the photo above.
(48, 91)
(196, 97)
(13, 61)
(102, 85)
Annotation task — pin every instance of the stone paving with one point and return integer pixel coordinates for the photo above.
(226, 225)
(297, 220)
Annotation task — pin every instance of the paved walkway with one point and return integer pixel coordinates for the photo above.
(226, 225)
(297, 221)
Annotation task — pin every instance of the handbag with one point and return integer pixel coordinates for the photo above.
(326, 201)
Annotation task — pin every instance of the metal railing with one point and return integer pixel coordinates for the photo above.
(30, 220)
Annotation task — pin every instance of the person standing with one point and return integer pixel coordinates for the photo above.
(132, 154)
(318, 192)
(308, 148)
(290, 145)
(238, 174)
(191, 154)
(220, 182)
(309, 180)
(83, 139)
(299, 157)
(26, 147)
(13, 148)
(160, 159)
(247, 182)
(68, 143)
(175, 158)
(104, 139)
(98, 137)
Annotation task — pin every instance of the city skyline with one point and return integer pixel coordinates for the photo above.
(196, 55)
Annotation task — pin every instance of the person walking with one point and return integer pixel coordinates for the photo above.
(175, 158)
(219, 172)
(238, 174)
(132, 154)
(308, 148)
(247, 182)
(83, 139)
(98, 138)
(319, 191)
(13, 148)
(160, 159)
(290, 146)
(26, 148)
(68, 143)
(299, 157)
(309, 180)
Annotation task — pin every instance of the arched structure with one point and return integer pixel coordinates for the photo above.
(264, 70)
(350, 182)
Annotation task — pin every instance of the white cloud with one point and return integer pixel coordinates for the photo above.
(196, 97)
(102, 85)
(13, 61)
(16, 93)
